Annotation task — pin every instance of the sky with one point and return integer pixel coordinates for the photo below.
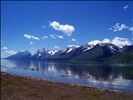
(32, 25)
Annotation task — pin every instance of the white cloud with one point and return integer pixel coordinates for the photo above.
(56, 36)
(31, 43)
(73, 39)
(118, 27)
(27, 36)
(11, 52)
(106, 41)
(117, 41)
(98, 41)
(56, 47)
(45, 37)
(59, 36)
(125, 7)
(120, 41)
(73, 45)
(5, 48)
(94, 42)
(66, 29)
(52, 36)
(123, 26)
(131, 29)
(31, 37)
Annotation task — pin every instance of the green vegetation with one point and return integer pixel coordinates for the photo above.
(124, 57)
(100, 55)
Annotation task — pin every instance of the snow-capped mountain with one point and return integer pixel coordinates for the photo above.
(97, 53)
(107, 49)
(87, 47)
(21, 55)
(63, 53)
(43, 54)
(113, 48)
(88, 52)
(67, 49)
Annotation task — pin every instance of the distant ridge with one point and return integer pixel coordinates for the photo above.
(101, 52)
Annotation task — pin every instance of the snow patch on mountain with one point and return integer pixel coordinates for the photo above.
(87, 47)
(68, 49)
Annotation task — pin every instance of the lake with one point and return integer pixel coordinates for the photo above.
(118, 77)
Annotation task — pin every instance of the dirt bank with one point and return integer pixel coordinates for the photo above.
(14, 87)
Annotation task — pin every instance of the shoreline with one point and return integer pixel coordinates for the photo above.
(17, 86)
(71, 61)
(67, 84)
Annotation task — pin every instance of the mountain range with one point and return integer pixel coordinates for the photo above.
(101, 52)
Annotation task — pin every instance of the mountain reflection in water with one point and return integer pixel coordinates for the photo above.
(111, 76)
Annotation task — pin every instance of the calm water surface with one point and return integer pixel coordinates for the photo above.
(117, 77)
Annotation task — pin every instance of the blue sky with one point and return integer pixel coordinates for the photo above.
(32, 25)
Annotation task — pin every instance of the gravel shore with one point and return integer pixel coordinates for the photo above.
(14, 87)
